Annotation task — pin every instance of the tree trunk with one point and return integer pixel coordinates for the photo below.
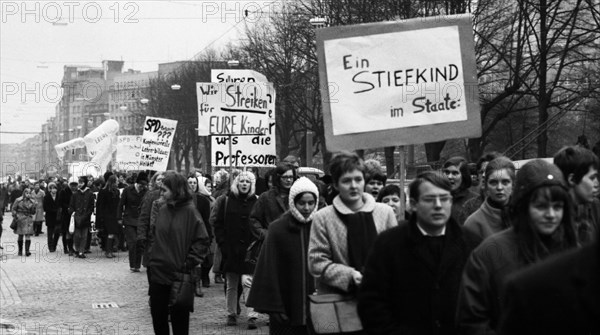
(433, 150)
(542, 140)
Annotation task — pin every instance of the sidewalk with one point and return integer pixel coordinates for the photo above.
(52, 293)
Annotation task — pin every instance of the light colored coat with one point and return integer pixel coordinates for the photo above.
(328, 248)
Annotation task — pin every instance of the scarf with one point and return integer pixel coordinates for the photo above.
(360, 237)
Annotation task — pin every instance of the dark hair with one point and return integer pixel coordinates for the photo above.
(111, 184)
(345, 162)
(84, 179)
(300, 195)
(500, 163)
(178, 185)
(487, 157)
(575, 160)
(279, 170)
(193, 175)
(530, 246)
(390, 189)
(463, 167)
(434, 177)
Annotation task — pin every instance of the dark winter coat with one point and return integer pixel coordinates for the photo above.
(64, 197)
(129, 206)
(51, 209)
(231, 222)
(483, 282)
(402, 291)
(486, 221)
(106, 210)
(555, 297)
(269, 207)
(143, 228)
(82, 204)
(178, 242)
(281, 280)
(203, 206)
(459, 212)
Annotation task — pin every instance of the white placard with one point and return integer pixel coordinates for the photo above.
(245, 151)
(156, 143)
(395, 80)
(102, 139)
(235, 109)
(232, 76)
(128, 152)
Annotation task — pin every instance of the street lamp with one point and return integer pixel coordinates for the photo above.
(175, 87)
(318, 22)
(233, 63)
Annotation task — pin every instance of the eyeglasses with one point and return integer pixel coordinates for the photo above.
(287, 177)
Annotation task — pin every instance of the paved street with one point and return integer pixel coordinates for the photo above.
(52, 293)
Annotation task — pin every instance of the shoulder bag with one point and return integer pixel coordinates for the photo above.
(182, 292)
(334, 313)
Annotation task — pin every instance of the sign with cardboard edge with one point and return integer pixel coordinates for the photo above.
(409, 135)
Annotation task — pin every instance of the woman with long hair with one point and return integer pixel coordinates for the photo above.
(492, 215)
(106, 212)
(230, 219)
(281, 280)
(23, 210)
(458, 173)
(542, 225)
(178, 243)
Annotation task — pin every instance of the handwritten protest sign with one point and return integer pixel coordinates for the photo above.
(231, 76)
(245, 151)
(397, 83)
(62, 148)
(102, 139)
(156, 143)
(235, 109)
(128, 152)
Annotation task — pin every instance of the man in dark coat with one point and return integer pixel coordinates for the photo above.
(82, 204)
(558, 296)
(129, 211)
(64, 197)
(412, 276)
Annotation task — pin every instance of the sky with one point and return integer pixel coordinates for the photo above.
(37, 38)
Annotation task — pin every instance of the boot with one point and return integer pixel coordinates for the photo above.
(65, 245)
(27, 245)
(20, 243)
(109, 244)
(199, 292)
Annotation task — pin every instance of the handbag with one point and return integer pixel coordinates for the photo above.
(182, 292)
(252, 254)
(334, 313)
(13, 224)
(72, 224)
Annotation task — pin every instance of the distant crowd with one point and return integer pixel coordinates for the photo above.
(499, 249)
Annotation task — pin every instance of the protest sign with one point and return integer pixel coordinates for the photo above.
(235, 109)
(102, 139)
(128, 152)
(232, 76)
(245, 150)
(398, 83)
(156, 143)
(61, 148)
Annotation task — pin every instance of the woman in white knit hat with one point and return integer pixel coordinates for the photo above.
(281, 279)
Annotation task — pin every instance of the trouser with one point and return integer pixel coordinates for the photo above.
(233, 280)
(67, 239)
(54, 231)
(159, 309)
(80, 239)
(37, 227)
(88, 240)
(120, 238)
(136, 250)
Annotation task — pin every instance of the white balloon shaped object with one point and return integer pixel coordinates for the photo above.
(69, 145)
(99, 140)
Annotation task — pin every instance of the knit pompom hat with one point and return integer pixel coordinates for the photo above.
(300, 186)
(533, 175)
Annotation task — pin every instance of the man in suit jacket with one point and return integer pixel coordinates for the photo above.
(558, 296)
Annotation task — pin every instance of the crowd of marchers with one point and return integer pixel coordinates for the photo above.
(515, 252)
